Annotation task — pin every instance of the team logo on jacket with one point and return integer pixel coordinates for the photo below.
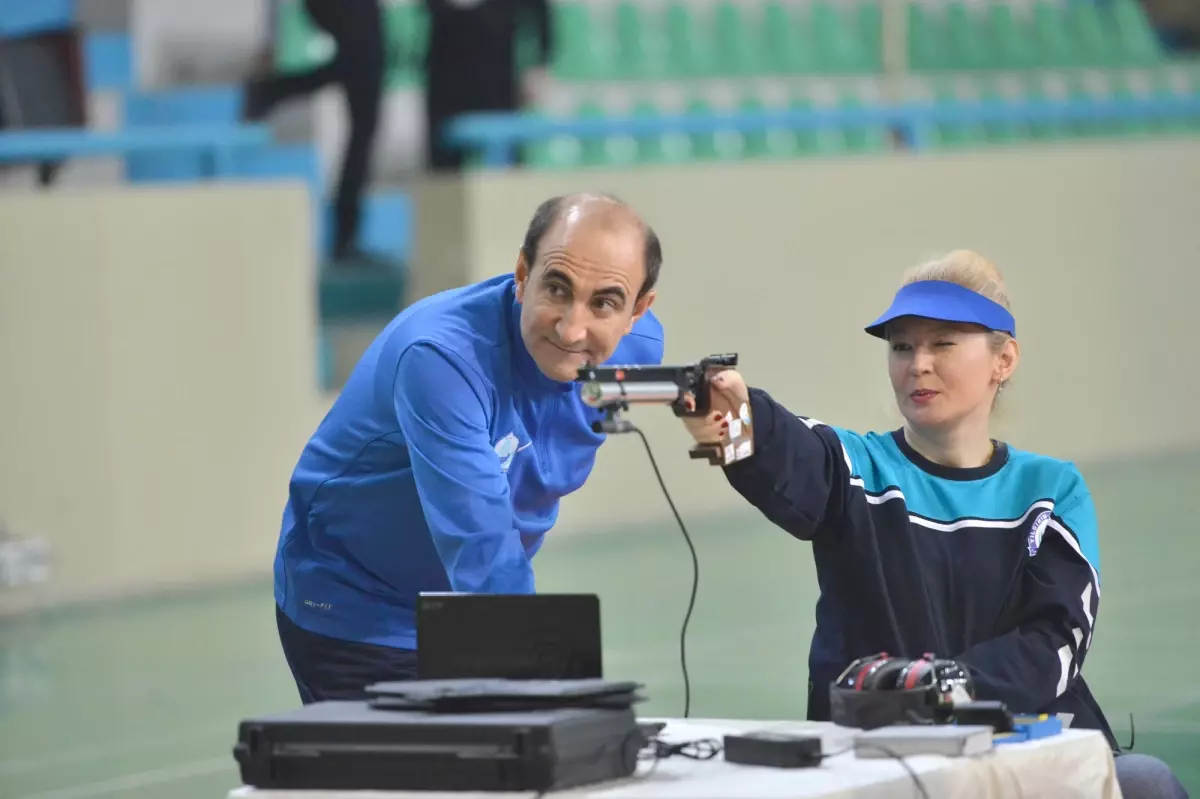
(506, 450)
(1034, 542)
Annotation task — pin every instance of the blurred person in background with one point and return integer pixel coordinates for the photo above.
(1177, 23)
(471, 65)
(441, 464)
(358, 66)
(937, 537)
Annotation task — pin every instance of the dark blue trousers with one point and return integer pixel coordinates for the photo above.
(327, 668)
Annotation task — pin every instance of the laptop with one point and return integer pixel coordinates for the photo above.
(508, 636)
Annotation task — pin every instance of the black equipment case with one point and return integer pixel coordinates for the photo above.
(357, 746)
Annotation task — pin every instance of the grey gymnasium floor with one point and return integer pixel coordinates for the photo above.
(141, 699)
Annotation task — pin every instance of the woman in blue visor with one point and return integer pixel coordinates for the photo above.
(938, 538)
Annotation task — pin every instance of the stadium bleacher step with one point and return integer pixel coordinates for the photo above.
(357, 292)
(386, 228)
(215, 105)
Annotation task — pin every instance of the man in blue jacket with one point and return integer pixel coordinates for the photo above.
(441, 464)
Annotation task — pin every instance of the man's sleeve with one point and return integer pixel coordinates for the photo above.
(1055, 608)
(441, 403)
(799, 475)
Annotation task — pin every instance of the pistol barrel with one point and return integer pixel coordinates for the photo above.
(598, 394)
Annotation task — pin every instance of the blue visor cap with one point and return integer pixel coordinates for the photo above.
(945, 302)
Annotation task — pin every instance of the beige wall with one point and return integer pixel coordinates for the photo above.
(785, 263)
(157, 369)
(157, 380)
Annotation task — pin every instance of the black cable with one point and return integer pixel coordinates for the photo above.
(687, 687)
(699, 749)
(890, 753)
(657, 750)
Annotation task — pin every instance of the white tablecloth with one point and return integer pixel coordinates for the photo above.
(1074, 765)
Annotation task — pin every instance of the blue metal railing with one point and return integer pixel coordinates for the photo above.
(29, 17)
(219, 142)
(493, 135)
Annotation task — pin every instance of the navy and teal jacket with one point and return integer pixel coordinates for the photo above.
(996, 566)
(439, 468)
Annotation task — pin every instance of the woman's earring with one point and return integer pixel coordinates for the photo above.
(1000, 387)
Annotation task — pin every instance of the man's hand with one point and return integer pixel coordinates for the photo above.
(728, 396)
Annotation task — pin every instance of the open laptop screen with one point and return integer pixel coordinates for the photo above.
(526, 636)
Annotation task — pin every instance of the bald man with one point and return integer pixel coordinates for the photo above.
(441, 464)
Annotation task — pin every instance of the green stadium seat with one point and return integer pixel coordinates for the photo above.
(578, 54)
(1052, 130)
(858, 139)
(926, 40)
(1087, 25)
(299, 44)
(756, 143)
(811, 141)
(1055, 46)
(685, 53)
(950, 135)
(734, 51)
(593, 152)
(783, 52)
(1163, 87)
(999, 133)
(1194, 91)
(1121, 89)
(406, 27)
(838, 45)
(662, 148)
(970, 48)
(1011, 46)
(870, 24)
(650, 149)
(815, 141)
(1084, 128)
(773, 143)
(560, 152)
(1135, 38)
(634, 53)
(705, 146)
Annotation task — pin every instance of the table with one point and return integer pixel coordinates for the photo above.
(1076, 764)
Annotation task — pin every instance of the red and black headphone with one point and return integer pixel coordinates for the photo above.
(878, 690)
(873, 673)
(881, 672)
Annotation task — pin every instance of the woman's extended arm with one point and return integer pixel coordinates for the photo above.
(799, 475)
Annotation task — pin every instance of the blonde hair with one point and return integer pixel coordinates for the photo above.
(969, 270)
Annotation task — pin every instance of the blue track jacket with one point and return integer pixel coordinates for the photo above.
(439, 468)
